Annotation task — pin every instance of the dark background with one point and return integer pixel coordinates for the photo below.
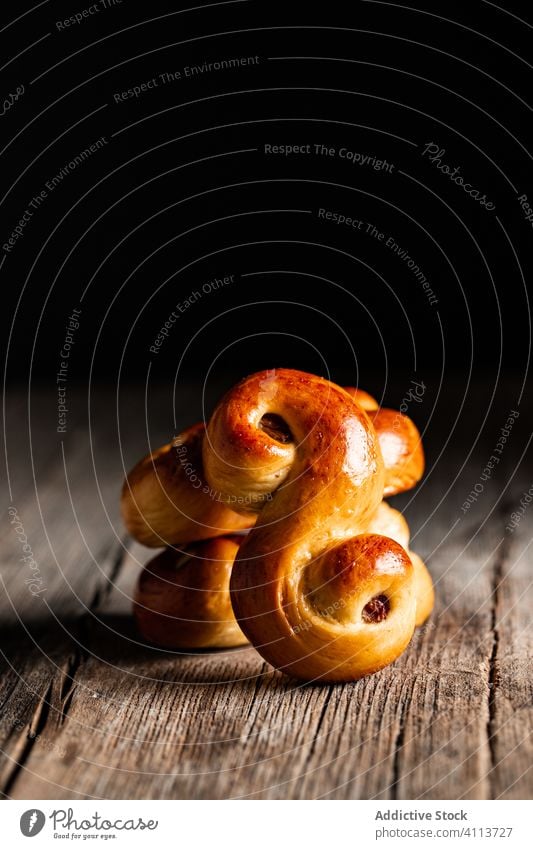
(177, 198)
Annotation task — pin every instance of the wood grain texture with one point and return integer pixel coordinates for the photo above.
(87, 711)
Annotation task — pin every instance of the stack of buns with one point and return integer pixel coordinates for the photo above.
(275, 530)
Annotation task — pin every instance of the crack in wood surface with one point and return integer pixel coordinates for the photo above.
(319, 724)
(398, 747)
(493, 676)
(67, 685)
(27, 740)
(81, 652)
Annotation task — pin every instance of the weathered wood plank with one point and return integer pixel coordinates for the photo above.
(120, 720)
(73, 557)
(222, 726)
(511, 704)
(443, 750)
(154, 713)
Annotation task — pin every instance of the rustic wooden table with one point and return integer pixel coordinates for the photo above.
(87, 711)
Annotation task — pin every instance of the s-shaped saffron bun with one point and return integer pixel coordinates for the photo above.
(318, 596)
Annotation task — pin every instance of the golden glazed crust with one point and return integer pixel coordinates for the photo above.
(401, 447)
(424, 589)
(318, 596)
(391, 523)
(182, 600)
(166, 500)
(364, 399)
(399, 440)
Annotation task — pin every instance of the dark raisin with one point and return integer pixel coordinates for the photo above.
(377, 609)
(276, 428)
